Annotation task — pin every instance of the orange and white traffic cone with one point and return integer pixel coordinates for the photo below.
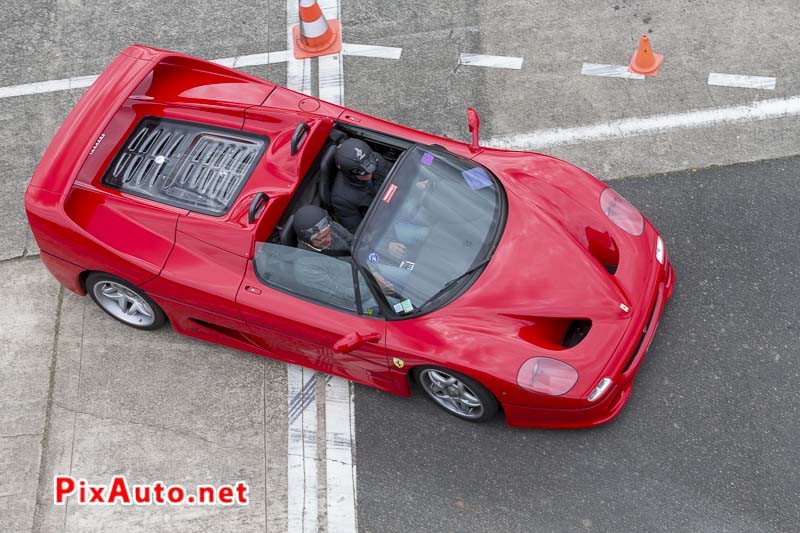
(644, 61)
(315, 36)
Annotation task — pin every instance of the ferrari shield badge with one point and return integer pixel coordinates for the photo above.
(399, 363)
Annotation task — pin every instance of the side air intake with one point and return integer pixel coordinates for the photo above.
(552, 333)
(192, 166)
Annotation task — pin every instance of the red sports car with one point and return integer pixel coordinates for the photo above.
(525, 285)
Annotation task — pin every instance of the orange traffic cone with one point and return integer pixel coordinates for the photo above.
(315, 36)
(644, 61)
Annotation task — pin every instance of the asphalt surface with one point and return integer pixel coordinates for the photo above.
(708, 440)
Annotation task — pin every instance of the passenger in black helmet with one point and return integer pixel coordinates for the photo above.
(361, 173)
(332, 278)
(318, 233)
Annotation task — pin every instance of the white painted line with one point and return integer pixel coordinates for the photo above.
(299, 71)
(365, 50)
(331, 79)
(632, 127)
(609, 71)
(50, 86)
(301, 487)
(302, 453)
(254, 60)
(478, 60)
(330, 8)
(341, 471)
(747, 82)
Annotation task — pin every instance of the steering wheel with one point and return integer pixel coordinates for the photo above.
(428, 189)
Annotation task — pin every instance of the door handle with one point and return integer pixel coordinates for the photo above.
(252, 290)
(351, 341)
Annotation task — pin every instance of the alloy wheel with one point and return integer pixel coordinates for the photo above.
(451, 393)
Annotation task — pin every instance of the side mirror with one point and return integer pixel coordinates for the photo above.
(351, 341)
(474, 122)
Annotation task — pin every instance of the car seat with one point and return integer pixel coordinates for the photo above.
(287, 236)
(327, 173)
(328, 169)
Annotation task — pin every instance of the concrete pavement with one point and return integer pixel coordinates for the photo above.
(80, 393)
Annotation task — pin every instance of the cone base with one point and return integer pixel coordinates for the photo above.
(652, 71)
(303, 51)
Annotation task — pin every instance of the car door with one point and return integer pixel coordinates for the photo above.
(302, 324)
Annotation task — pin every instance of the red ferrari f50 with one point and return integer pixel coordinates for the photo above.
(527, 285)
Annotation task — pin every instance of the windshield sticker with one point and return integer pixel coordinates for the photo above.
(398, 308)
(373, 257)
(476, 178)
(387, 196)
(407, 265)
(427, 159)
(406, 305)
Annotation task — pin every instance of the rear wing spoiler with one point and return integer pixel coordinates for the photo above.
(84, 126)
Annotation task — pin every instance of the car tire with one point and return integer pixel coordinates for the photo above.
(459, 395)
(124, 301)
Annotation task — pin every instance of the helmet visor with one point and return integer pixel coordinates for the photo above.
(309, 234)
(367, 166)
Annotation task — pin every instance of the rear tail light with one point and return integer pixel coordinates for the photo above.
(546, 376)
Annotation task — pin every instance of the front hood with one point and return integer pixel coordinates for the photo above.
(542, 269)
(541, 266)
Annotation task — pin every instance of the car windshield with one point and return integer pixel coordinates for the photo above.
(434, 222)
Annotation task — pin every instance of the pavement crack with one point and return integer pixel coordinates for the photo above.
(266, 447)
(43, 489)
(143, 424)
(20, 258)
(345, 463)
(20, 435)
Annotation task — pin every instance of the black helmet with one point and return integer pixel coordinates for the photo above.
(356, 157)
(309, 221)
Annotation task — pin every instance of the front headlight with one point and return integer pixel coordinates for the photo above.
(621, 212)
(546, 376)
(660, 250)
(601, 389)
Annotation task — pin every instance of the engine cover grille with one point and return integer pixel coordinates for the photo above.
(184, 164)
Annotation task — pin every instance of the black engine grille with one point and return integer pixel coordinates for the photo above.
(192, 166)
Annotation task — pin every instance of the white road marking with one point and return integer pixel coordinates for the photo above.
(301, 492)
(254, 60)
(339, 465)
(50, 86)
(632, 127)
(747, 82)
(299, 71)
(302, 453)
(479, 60)
(331, 79)
(365, 50)
(339, 412)
(609, 71)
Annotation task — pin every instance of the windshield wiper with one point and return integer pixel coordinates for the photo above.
(452, 282)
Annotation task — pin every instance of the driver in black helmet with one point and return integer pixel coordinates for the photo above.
(331, 276)
(316, 232)
(361, 173)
